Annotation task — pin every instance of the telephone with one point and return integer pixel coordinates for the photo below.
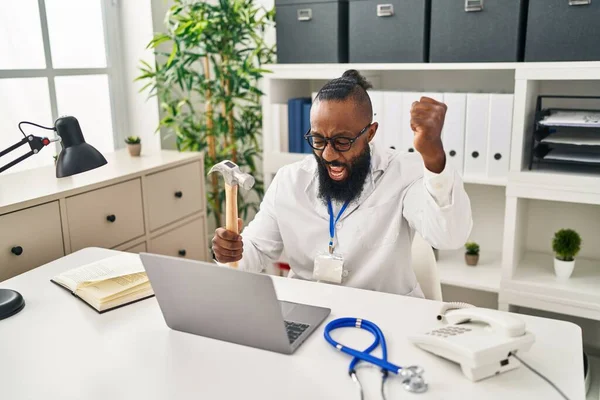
(480, 340)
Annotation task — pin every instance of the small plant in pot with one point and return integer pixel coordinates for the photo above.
(134, 145)
(472, 253)
(566, 244)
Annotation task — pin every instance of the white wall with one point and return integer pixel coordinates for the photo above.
(136, 19)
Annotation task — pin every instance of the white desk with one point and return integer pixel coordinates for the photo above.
(59, 348)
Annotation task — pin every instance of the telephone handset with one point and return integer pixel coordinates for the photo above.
(499, 321)
(478, 339)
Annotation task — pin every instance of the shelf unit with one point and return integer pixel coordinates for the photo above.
(484, 277)
(515, 217)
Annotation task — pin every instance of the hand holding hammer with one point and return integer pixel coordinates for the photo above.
(227, 243)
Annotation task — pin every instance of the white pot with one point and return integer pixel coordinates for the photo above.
(563, 269)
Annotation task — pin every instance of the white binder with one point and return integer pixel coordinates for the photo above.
(407, 140)
(392, 123)
(500, 130)
(453, 134)
(378, 113)
(476, 135)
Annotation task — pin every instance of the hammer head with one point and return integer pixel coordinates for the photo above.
(233, 175)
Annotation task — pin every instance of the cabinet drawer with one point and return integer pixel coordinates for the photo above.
(187, 241)
(138, 248)
(106, 217)
(30, 238)
(174, 194)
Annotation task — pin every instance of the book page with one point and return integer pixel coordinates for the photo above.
(111, 267)
(103, 290)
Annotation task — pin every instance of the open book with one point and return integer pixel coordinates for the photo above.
(109, 283)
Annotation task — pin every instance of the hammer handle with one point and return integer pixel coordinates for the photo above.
(231, 211)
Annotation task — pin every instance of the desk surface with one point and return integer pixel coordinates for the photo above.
(59, 348)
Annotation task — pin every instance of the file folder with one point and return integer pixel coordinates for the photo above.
(296, 136)
(500, 131)
(453, 134)
(392, 123)
(476, 135)
(305, 127)
(378, 116)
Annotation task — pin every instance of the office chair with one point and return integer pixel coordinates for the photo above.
(425, 267)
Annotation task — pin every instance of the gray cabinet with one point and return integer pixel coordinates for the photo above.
(477, 30)
(311, 31)
(563, 30)
(388, 31)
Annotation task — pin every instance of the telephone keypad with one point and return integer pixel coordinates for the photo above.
(447, 331)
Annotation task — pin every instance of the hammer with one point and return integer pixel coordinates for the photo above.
(234, 177)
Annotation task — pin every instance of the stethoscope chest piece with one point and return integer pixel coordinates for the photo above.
(412, 379)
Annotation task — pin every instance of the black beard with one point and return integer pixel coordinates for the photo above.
(350, 188)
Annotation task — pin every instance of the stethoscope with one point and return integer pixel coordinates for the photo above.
(412, 378)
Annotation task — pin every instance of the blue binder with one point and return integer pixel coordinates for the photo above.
(296, 135)
(306, 126)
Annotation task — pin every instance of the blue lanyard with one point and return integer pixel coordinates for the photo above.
(332, 221)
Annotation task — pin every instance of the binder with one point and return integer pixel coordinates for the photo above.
(295, 134)
(280, 128)
(453, 134)
(305, 126)
(500, 131)
(392, 123)
(407, 136)
(476, 134)
(378, 116)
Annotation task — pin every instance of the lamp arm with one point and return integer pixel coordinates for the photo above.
(35, 142)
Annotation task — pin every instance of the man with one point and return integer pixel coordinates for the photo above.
(348, 214)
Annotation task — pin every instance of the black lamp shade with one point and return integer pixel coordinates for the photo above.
(76, 156)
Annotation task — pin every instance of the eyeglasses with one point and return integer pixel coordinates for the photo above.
(339, 143)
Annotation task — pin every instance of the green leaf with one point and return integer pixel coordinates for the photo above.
(172, 55)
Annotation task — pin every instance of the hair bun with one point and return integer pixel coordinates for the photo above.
(355, 76)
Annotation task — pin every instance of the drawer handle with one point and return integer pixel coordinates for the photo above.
(473, 5)
(182, 252)
(452, 153)
(179, 194)
(580, 2)
(475, 154)
(385, 10)
(497, 156)
(17, 250)
(411, 150)
(111, 218)
(305, 14)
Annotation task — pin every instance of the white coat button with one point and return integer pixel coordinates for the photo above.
(338, 225)
(345, 273)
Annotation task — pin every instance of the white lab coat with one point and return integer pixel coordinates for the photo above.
(374, 234)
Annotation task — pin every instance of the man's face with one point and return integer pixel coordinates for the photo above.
(342, 173)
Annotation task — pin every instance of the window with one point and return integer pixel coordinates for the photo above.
(59, 57)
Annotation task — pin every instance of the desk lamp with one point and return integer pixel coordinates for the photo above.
(75, 157)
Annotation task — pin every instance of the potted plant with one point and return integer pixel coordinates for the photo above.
(134, 145)
(472, 253)
(206, 76)
(566, 244)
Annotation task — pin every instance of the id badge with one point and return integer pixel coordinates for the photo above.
(328, 268)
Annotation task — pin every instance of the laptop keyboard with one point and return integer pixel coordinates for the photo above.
(294, 330)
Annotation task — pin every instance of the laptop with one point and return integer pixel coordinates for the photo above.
(228, 304)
